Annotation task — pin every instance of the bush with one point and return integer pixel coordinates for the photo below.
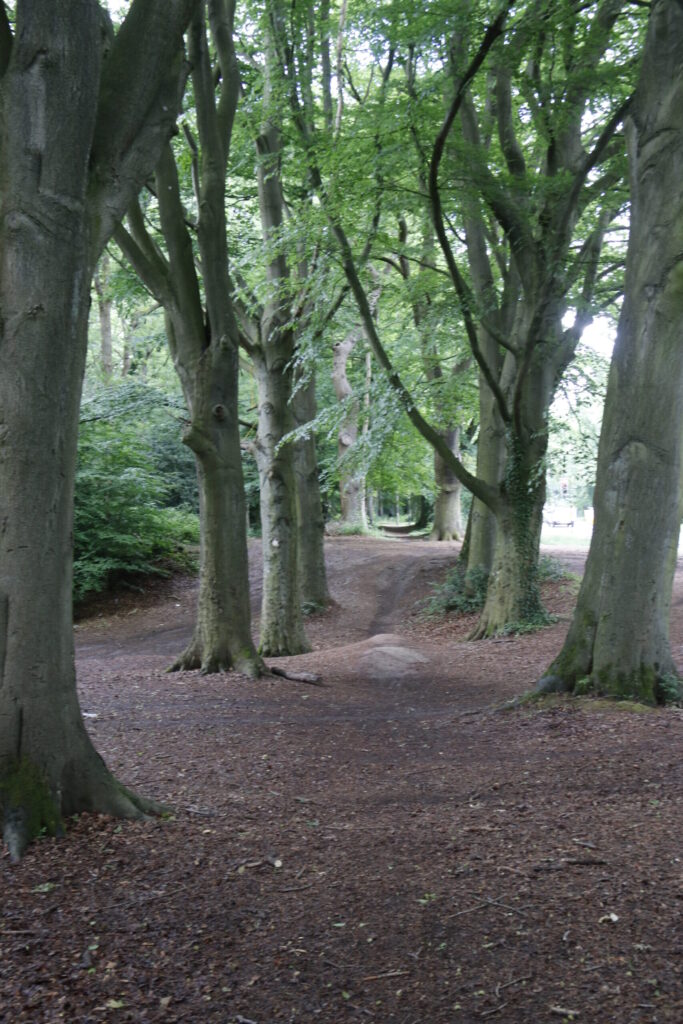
(551, 570)
(120, 526)
(461, 591)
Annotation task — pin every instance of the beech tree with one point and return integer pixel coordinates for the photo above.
(270, 341)
(203, 336)
(618, 641)
(540, 201)
(85, 114)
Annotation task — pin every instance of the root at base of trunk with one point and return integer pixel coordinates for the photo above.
(298, 677)
(209, 664)
(29, 808)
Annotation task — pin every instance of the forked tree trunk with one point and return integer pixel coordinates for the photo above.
(203, 338)
(310, 518)
(447, 503)
(618, 642)
(61, 192)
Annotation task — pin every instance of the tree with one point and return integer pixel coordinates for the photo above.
(84, 118)
(269, 339)
(618, 640)
(203, 336)
(540, 204)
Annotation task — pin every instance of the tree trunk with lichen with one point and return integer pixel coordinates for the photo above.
(62, 192)
(512, 594)
(618, 642)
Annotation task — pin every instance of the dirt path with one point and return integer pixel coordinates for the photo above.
(382, 848)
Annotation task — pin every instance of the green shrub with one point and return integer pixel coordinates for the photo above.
(551, 570)
(120, 524)
(461, 591)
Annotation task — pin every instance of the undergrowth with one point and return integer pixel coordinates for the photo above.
(552, 570)
(461, 591)
(465, 592)
(121, 527)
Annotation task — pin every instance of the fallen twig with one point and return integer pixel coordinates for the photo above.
(496, 1009)
(515, 981)
(385, 974)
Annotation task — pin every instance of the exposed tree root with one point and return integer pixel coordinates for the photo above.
(35, 810)
(209, 664)
(445, 535)
(553, 684)
(188, 661)
(15, 833)
(282, 648)
(298, 677)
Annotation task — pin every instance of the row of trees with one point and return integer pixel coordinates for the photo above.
(470, 160)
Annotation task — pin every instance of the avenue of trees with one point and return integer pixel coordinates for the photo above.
(353, 250)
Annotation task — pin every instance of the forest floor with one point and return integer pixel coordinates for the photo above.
(390, 846)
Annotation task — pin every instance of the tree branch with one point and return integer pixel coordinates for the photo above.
(222, 21)
(179, 243)
(140, 95)
(512, 151)
(151, 271)
(491, 35)
(590, 161)
(479, 488)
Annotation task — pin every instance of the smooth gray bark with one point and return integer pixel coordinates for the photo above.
(310, 517)
(351, 482)
(447, 508)
(104, 307)
(282, 630)
(618, 642)
(80, 133)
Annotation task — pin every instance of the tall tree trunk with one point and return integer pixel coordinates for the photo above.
(310, 518)
(351, 482)
(48, 766)
(447, 509)
(203, 338)
(61, 193)
(222, 634)
(512, 595)
(618, 642)
(282, 629)
(490, 460)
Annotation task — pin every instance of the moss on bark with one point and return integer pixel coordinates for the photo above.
(27, 807)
